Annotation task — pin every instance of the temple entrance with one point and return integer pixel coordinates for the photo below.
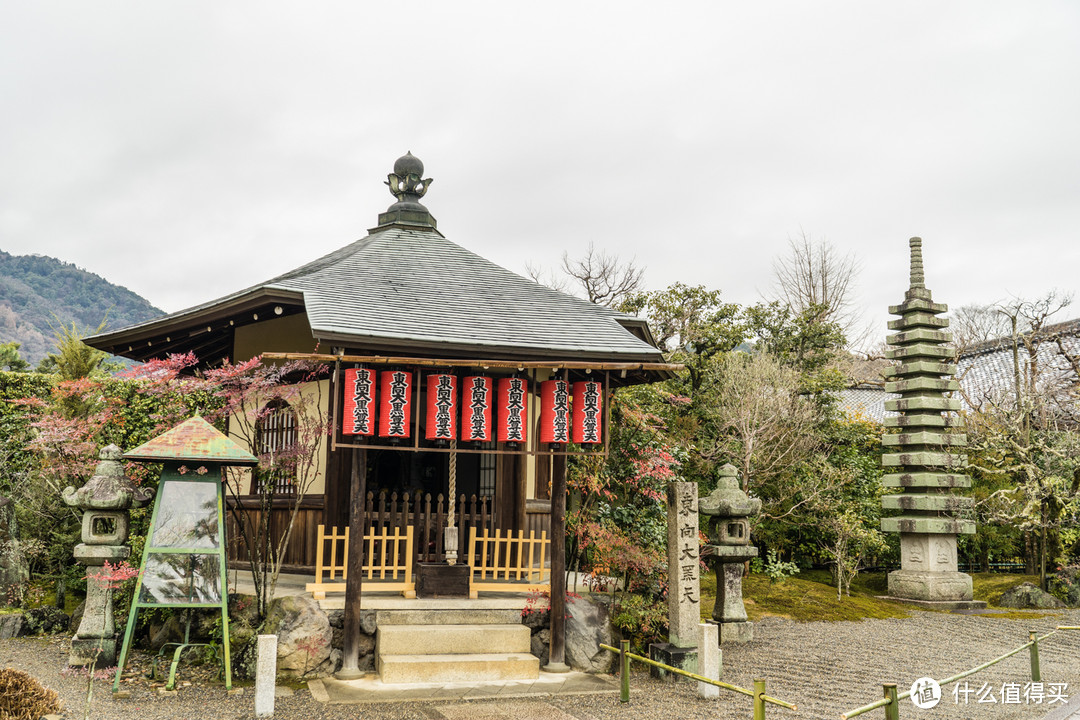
(411, 489)
(391, 471)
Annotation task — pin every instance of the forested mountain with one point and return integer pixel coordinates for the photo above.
(38, 291)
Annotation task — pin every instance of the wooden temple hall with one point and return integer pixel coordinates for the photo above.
(450, 376)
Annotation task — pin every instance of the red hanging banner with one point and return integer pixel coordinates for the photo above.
(555, 411)
(512, 395)
(588, 401)
(395, 399)
(357, 418)
(442, 407)
(476, 408)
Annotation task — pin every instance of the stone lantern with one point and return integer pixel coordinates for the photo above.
(105, 501)
(729, 510)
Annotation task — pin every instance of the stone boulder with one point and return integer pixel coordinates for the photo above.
(367, 629)
(10, 625)
(170, 631)
(304, 637)
(541, 646)
(587, 627)
(1028, 596)
(243, 619)
(536, 618)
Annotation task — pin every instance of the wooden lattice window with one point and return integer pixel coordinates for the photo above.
(276, 437)
(487, 475)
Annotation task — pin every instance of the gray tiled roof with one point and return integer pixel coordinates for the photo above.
(410, 287)
(986, 377)
(986, 372)
(865, 402)
(415, 285)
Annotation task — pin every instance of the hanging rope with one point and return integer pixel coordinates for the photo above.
(453, 483)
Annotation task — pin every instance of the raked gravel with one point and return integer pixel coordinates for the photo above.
(826, 668)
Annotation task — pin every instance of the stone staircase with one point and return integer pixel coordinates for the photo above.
(453, 645)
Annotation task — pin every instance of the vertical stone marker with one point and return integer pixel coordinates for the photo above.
(708, 659)
(265, 676)
(684, 589)
(921, 462)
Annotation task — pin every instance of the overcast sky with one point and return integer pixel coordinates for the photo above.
(189, 149)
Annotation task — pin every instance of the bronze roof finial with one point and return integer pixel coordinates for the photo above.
(407, 182)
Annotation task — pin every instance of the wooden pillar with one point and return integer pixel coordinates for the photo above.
(336, 490)
(520, 467)
(510, 493)
(350, 661)
(557, 654)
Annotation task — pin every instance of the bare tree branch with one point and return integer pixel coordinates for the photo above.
(812, 274)
(540, 276)
(604, 278)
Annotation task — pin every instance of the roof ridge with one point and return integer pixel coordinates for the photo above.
(999, 343)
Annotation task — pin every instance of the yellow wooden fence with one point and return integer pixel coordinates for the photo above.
(507, 563)
(497, 562)
(388, 561)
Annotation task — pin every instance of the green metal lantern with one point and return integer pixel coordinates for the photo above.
(184, 561)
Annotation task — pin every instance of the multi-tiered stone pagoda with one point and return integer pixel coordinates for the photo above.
(922, 461)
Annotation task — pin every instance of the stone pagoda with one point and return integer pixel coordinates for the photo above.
(922, 462)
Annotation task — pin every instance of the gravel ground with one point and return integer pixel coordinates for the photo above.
(826, 668)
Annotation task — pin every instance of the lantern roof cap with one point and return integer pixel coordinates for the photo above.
(109, 488)
(728, 499)
(194, 440)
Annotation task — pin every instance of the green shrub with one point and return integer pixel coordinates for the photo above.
(641, 619)
(1065, 585)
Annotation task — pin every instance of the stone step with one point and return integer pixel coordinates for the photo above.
(452, 639)
(463, 616)
(479, 667)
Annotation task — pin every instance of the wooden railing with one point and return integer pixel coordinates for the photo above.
(245, 510)
(498, 563)
(507, 564)
(428, 516)
(425, 514)
(388, 561)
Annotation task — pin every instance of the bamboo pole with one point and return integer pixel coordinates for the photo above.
(480, 363)
(959, 676)
(624, 671)
(1036, 674)
(702, 678)
(759, 700)
(892, 708)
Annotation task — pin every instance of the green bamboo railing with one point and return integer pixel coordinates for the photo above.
(758, 693)
(891, 699)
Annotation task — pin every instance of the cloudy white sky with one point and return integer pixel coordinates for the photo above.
(188, 149)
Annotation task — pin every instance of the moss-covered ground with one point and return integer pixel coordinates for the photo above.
(810, 595)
